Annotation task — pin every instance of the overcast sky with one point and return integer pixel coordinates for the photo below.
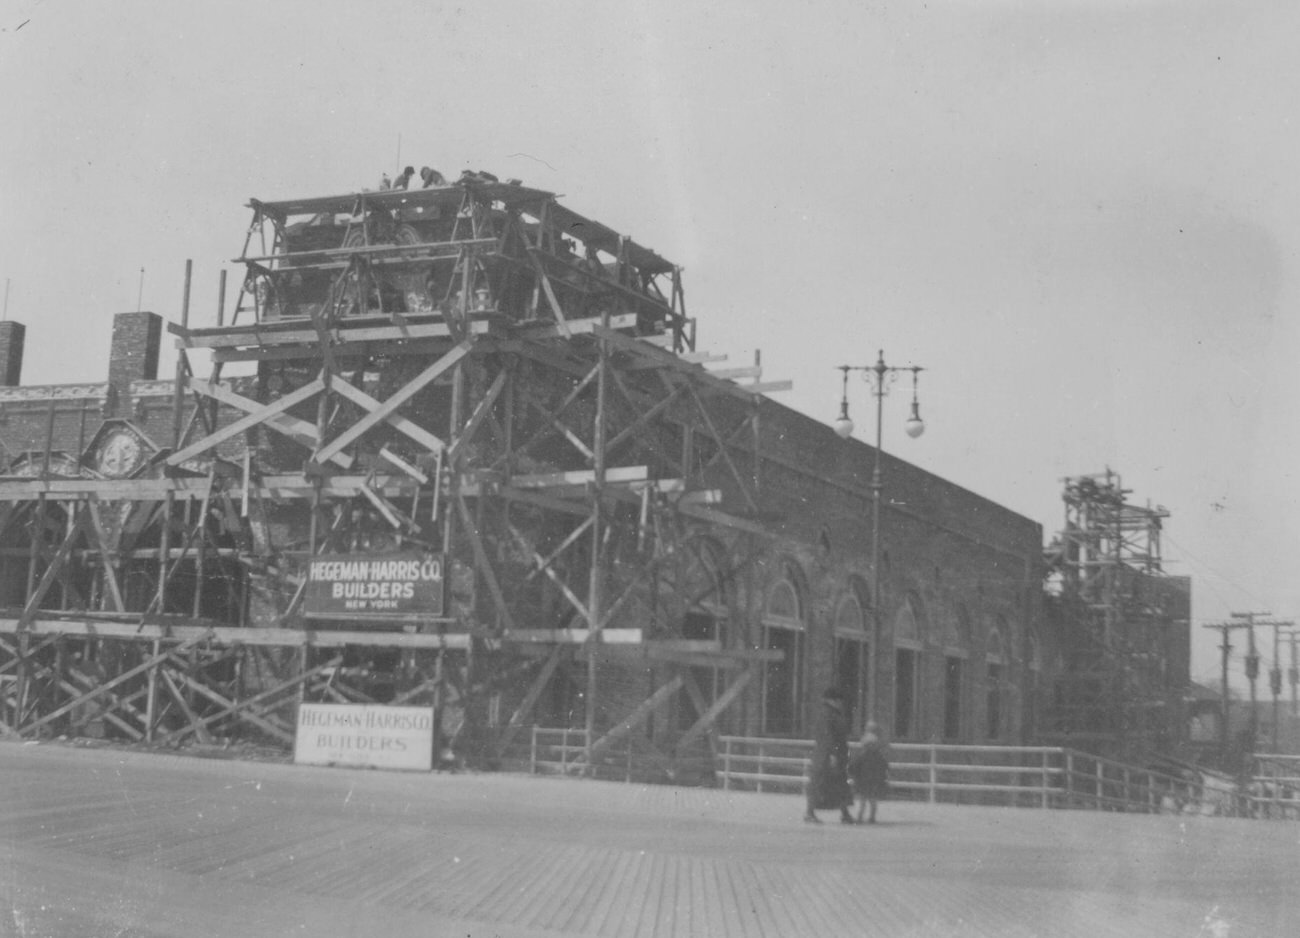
(1083, 218)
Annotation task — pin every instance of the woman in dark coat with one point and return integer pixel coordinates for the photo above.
(869, 769)
(828, 780)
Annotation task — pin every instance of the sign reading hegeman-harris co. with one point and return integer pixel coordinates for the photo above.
(406, 585)
(364, 736)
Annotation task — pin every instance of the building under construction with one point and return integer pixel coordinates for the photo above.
(1120, 626)
(457, 447)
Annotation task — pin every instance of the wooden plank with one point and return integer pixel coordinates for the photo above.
(52, 570)
(546, 562)
(230, 635)
(530, 699)
(106, 687)
(107, 716)
(483, 565)
(257, 699)
(480, 413)
(416, 432)
(579, 477)
(300, 431)
(634, 719)
(731, 374)
(586, 326)
(383, 410)
(710, 716)
(238, 710)
(387, 346)
(139, 490)
(574, 636)
(741, 482)
(307, 391)
(200, 730)
(563, 587)
(110, 575)
(341, 333)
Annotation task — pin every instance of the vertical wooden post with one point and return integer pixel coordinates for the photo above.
(934, 772)
(49, 439)
(20, 680)
(1046, 800)
(439, 680)
(304, 661)
(182, 364)
(164, 550)
(1069, 778)
(151, 702)
(595, 606)
(38, 538)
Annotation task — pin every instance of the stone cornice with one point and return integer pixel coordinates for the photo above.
(54, 392)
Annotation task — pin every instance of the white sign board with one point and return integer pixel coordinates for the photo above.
(369, 736)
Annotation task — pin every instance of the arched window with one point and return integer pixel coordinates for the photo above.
(853, 652)
(908, 632)
(783, 631)
(956, 643)
(1034, 653)
(995, 670)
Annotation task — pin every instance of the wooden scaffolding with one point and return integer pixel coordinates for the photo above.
(1125, 624)
(471, 370)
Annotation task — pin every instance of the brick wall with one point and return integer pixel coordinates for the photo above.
(12, 336)
(133, 356)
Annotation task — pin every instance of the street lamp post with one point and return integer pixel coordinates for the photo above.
(880, 375)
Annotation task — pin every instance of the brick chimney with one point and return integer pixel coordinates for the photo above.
(12, 335)
(133, 356)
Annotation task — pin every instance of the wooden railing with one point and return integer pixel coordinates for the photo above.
(1024, 776)
(1274, 790)
(1019, 776)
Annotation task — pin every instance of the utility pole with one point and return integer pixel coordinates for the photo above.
(1293, 673)
(1275, 674)
(1253, 619)
(1226, 648)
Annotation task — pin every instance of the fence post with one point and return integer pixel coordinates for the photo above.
(761, 770)
(934, 772)
(1047, 797)
(726, 764)
(1069, 778)
(532, 752)
(1101, 782)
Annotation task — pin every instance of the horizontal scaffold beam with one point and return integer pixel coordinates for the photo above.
(232, 635)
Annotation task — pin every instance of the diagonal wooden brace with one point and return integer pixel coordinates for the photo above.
(107, 687)
(632, 721)
(705, 723)
(300, 431)
(386, 410)
(259, 416)
(412, 429)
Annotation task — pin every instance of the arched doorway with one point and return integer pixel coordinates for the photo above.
(853, 660)
(908, 647)
(783, 631)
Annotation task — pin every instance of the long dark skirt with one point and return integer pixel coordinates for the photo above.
(829, 785)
